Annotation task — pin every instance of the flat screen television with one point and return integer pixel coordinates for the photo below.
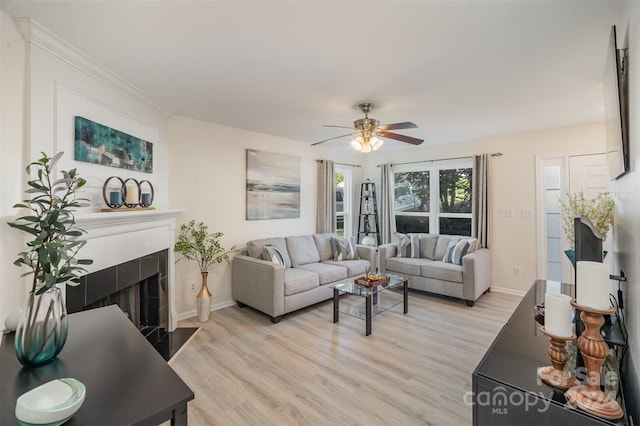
(616, 109)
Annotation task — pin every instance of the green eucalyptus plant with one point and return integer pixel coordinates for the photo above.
(599, 210)
(51, 253)
(196, 243)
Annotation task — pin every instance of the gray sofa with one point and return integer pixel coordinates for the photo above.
(428, 272)
(305, 278)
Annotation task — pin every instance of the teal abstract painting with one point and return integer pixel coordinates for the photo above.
(99, 144)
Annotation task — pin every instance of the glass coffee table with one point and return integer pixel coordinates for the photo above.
(373, 300)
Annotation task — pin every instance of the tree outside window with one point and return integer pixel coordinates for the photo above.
(433, 199)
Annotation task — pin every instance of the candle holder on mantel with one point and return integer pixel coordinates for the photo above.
(594, 349)
(554, 375)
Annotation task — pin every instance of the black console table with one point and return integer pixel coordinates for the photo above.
(127, 381)
(506, 388)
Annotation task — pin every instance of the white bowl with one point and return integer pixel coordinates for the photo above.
(55, 402)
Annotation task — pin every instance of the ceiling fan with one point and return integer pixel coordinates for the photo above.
(368, 132)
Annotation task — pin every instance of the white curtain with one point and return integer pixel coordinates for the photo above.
(387, 215)
(481, 198)
(325, 197)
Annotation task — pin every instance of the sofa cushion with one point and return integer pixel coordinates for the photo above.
(428, 245)
(406, 265)
(442, 271)
(328, 273)
(355, 268)
(455, 252)
(273, 254)
(343, 249)
(443, 244)
(302, 250)
(323, 244)
(255, 248)
(299, 280)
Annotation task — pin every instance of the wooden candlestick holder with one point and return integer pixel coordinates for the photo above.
(594, 349)
(554, 375)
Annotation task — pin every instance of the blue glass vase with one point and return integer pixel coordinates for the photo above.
(42, 330)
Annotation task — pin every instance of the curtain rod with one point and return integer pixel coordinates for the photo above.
(341, 164)
(497, 154)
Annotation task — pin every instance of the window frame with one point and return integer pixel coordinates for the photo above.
(434, 214)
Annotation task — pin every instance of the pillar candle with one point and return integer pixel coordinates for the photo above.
(132, 195)
(592, 285)
(557, 314)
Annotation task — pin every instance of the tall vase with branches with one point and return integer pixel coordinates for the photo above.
(197, 244)
(599, 211)
(50, 257)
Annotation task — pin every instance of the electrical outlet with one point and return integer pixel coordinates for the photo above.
(194, 287)
(517, 271)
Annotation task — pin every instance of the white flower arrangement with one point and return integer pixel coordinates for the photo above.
(599, 210)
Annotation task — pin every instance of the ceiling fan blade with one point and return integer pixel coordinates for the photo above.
(339, 127)
(396, 126)
(330, 139)
(401, 138)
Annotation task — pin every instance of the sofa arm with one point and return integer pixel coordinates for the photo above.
(385, 252)
(367, 253)
(476, 273)
(259, 284)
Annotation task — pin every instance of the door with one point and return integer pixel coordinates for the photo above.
(557, 175)
(589, 174)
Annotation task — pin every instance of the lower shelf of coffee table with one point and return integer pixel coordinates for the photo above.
(354, 305)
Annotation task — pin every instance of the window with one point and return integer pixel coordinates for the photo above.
(433, 199)
(343, 201)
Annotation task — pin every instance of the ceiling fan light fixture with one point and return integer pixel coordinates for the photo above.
(357, 143)
(375, 143)
(366, 146)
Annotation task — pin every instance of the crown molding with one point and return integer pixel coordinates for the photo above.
(37, 35)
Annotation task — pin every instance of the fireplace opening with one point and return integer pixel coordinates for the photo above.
(144, 303)
(139, 288)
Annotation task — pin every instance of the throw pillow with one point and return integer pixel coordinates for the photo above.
(473, 245)
(274, 255)
(343, 249)
(414, 246)
(403, 242)
(456, 250)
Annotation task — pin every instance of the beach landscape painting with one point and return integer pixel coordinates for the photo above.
(273, 185)
(99, 144)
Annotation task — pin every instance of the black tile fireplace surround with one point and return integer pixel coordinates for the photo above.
(150, 305)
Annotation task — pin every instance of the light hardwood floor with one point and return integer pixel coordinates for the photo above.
(413, 369)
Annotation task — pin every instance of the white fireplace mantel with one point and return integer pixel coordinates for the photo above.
(117, 237)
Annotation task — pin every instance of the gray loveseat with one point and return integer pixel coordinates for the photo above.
(309, 269)
(427, 271)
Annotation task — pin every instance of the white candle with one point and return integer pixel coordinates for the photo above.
(592, 285)
(557, 314)
(132, 195)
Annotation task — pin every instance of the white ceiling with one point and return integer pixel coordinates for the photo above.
(460, 70)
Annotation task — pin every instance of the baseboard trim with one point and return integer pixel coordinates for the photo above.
(194, 312)
(508, 291)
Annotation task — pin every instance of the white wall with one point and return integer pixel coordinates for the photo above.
(512, 239)
(12, 134)
(208, 177)
(45, 83)
(626, 230)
